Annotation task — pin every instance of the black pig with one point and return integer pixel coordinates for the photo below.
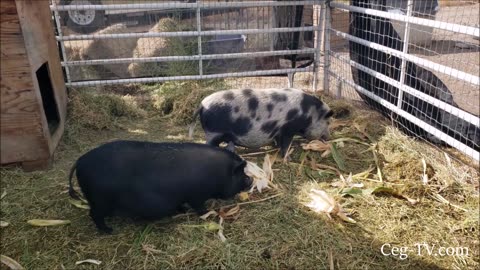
(153, 180)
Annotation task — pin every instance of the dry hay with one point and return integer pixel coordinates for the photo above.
(91, 110)
(163, 46)
(178, 101)
(269, 231)
(111, 49)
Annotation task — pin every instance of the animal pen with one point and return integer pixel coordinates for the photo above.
(410, 60)
(138, 69)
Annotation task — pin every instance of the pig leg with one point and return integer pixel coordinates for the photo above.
(181, 209)
(213, 139)
(98, 216)
(199, 207)
(284, 142)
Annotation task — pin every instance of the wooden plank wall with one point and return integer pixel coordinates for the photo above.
(37, 29)
(24, 130)
(21, 127)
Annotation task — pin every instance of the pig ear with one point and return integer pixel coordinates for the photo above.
(238, 166)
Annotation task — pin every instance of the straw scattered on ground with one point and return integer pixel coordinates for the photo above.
(400, 192)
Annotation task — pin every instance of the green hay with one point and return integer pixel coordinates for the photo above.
(278, 233)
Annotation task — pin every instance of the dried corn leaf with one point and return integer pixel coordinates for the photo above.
(339, 123)
(209, 213)
(79, 204)
(151, 249)
(97, 262)
(11, 263)
(338, 158)
(176, 137)
(352, 191)
(232, 211)
(220, 231)
(303, 157)
(326, 153)
(47, 222)
(4, 193)
(267, 167)
(424, 176)
(391, 191)
(364, 173)
(323, 203)
(209, 226)
(316, 145)
(261, 179)
(362, 128)
(212, 226)
(441, 199)
(447, 158)
(3, 224)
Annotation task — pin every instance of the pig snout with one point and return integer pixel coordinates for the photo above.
(325, 136)
(248, 182)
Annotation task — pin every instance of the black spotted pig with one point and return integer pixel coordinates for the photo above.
(256, 117)
(154, 180)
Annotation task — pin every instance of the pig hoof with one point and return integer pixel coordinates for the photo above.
(287, 159)
(106, 230)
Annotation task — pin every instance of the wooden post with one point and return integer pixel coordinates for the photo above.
(33, 96)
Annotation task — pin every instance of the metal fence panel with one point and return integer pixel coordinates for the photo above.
(155, 41)
(417, 62)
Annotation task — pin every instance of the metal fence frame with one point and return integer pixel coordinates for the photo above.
(198, 6)
(404, 56)
(322, 49)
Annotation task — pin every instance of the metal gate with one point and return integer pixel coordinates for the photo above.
(417, 62)
(224, 39)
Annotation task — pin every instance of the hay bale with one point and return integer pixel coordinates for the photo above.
(111, 49)
(155, 47)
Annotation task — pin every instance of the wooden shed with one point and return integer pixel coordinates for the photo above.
(33, 96)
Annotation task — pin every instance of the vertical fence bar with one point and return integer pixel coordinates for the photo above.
(326, 49)
(56, 15)
(199, 39)
(318, 21)
(271, 12)
(339, 89)
(406, 40)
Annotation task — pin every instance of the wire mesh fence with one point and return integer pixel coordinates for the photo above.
(417, 62)
(120, 41)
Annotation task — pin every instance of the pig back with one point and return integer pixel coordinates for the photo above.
(126, 167)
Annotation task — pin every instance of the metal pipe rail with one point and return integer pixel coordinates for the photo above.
(202, 5)
(456, 28)
(427, 127)
(184, 58)
(475, 80)
(414, 92)
(190, 77)
(185, 33)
